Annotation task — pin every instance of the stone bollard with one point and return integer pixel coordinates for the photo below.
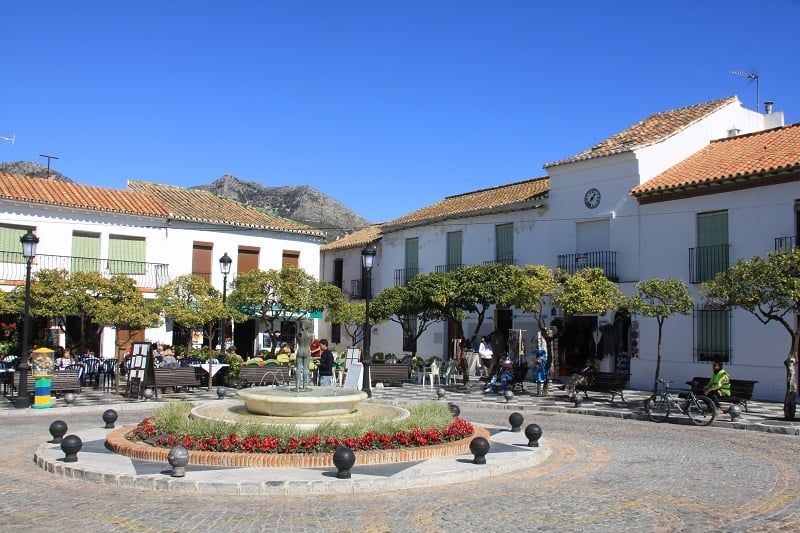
(178, 458)
(576, 400)
(69, 398)
(735, 413)
(343, 460)
(534, 433)
(221, 392)
(456, 410)
(71, 445)
(441, 392)
(148, 393)
(516, 421)
(58, 429)
(109, 417)
(479, 448)
(508, 395)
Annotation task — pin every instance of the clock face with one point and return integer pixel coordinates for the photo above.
(592, 198)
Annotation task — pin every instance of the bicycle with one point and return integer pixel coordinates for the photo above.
(700, 409)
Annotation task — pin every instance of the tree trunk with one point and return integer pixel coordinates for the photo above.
(790, 401)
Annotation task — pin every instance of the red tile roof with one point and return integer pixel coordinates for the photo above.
(62, 193)
(357, 239)
(651, 130)
(197, 205)
(767, 154)
(486, 201)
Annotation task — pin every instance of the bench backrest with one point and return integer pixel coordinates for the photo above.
(265, 375)
(740, 388)
(184, 375)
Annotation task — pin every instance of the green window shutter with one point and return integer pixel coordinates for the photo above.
(504, 243)
(10, 244)
(454, 244)
(85, 252)
(126, 255)
(412, 254)
(713, 334)
(712, 244)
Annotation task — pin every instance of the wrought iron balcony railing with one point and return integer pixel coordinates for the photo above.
(606, 261)
(501, 261)
(146, 275)
(448, 267)
(705, 262)
(403, 275)
(785, 243)
(357, 291)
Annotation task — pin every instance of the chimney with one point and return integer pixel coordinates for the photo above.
(734, 131)
(768, 107)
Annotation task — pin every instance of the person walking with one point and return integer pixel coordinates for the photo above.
(325, 367)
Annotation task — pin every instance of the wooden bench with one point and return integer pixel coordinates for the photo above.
(389, 373)
(264, 375)
(175, 377)
(613, 383)
(62, 381)
(741, 390)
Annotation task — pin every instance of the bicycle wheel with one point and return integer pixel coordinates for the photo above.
(657, 407)
(701, 410)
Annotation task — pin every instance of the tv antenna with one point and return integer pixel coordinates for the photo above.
(9, 139)
(752, 76)
(49, 157)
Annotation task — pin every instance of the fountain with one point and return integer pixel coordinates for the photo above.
(301, 404)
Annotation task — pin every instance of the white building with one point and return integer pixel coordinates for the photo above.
(150, 232)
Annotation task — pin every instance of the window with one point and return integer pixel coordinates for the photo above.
(247, 259)
(412, 255)
(10, 244)
(201, 260)
(410, 334)
(336, 333)
(85, 252)
(126, 255)
(504, 243)
(454, 243)
(338, 272)
(712, 334)
(712, 245)
(290, 257)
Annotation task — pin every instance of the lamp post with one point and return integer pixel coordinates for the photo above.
(29, 242)
(224, 267)
(367, 261)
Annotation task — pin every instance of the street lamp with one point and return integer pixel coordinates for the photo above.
(367, 261)
(29, 242)
(224, 267)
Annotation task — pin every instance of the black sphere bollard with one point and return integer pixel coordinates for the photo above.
(576, 401)
(456, 410)
(516, 421)
(441, 392)
(508, 395)
(58, 429)
(479, 448)
(534, 433)
(178, 458)
(69, 398)
(71, 445)
(735, 413)
(343, 460)
(109, 417)
(221, 392)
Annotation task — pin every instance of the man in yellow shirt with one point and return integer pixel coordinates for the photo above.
(719, 384)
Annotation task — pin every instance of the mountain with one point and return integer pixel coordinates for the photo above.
(32, 170)
(300, 203)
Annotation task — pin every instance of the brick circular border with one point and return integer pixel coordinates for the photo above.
(117, 442)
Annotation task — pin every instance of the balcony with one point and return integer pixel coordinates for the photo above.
(785, 243)
(356, 291)
(501, 261)
(146, 275)
(403, 275)
(448, 268)
(605, 261)
(705, 262)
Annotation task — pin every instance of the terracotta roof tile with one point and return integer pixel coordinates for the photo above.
(755, 155)
(357, 239)
(197, 205)
(651, 130)
(63, 193)
(476, 203)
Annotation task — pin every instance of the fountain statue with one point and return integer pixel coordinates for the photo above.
(303, 356)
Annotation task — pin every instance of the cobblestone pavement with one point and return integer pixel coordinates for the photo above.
(605, 474)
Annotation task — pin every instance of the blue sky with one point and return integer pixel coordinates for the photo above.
(387, 106)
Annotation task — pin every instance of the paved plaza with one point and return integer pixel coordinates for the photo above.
(611, 471)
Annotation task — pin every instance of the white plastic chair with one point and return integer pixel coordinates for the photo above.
(432, 373)
(451, 373)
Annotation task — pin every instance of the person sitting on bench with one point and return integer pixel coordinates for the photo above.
(719, 384)
(581, 378)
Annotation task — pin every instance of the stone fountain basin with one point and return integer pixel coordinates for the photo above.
(316, 402)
